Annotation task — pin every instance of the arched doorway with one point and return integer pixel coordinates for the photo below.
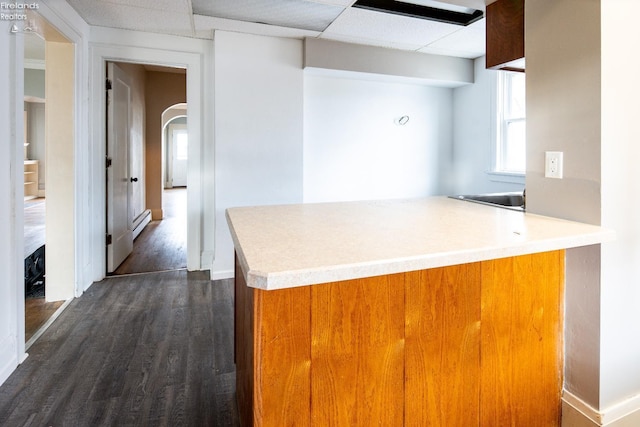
(175, 145)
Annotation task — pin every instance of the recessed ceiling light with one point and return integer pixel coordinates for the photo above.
(424, 9)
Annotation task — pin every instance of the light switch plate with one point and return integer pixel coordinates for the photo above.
(553, 164)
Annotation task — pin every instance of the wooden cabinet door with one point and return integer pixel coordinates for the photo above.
(442, 371)
(505, 35)
(521, 344)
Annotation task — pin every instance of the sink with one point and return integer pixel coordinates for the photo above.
(512, 200)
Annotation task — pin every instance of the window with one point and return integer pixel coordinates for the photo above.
(181, 139)
(510, 153)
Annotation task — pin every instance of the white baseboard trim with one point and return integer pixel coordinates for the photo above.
(581, 414)
(221, 275)
(577, 413)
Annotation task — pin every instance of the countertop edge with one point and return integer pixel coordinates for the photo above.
(336, 273)
(329, 269)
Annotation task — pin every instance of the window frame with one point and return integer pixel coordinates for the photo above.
(498, 172)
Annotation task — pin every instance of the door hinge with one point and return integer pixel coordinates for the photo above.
(109, 239)
(108, 84)
(109, 161)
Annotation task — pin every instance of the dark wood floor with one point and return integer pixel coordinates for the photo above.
(162, 245)
(150, 349)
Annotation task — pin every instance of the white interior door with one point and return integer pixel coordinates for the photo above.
(119, 181)
(180, 148)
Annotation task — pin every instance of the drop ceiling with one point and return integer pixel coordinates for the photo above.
(337, 20)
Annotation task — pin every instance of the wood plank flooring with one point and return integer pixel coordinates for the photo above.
(37, 312)
(162, 245)
(150, 349)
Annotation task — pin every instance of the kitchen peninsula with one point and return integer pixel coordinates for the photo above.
(431, 311)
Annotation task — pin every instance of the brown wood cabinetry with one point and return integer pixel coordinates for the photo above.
(505, 35)
(475, 344)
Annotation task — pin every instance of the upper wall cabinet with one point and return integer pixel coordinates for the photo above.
(505, 35)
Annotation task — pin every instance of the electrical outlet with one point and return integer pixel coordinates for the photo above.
(553, 164)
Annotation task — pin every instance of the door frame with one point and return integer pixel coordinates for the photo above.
(193, 62)
(74, 30)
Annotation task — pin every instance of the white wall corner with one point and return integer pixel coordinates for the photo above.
(577, 413)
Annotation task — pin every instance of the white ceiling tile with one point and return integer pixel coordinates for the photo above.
(387, 27)
(135, 18)
(480, 25)
(208, 23)
(286, 17)
(285, 13)
(179, 6)
(466, 40)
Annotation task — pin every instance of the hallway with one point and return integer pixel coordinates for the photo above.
(162, 245)
(148, 349)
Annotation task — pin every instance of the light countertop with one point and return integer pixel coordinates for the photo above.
(284, 246)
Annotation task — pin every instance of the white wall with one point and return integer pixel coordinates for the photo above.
(258, 128)
(620, 147)
(563, 114)
(581, 101)
(370, 62)
(34, 82)
(60, 215)
(474, 133)
(11, 194)
(354, 150)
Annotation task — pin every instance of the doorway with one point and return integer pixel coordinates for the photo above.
(153, 220)
(48, 174)
(162, 245)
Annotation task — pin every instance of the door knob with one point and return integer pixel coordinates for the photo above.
(134, 179)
